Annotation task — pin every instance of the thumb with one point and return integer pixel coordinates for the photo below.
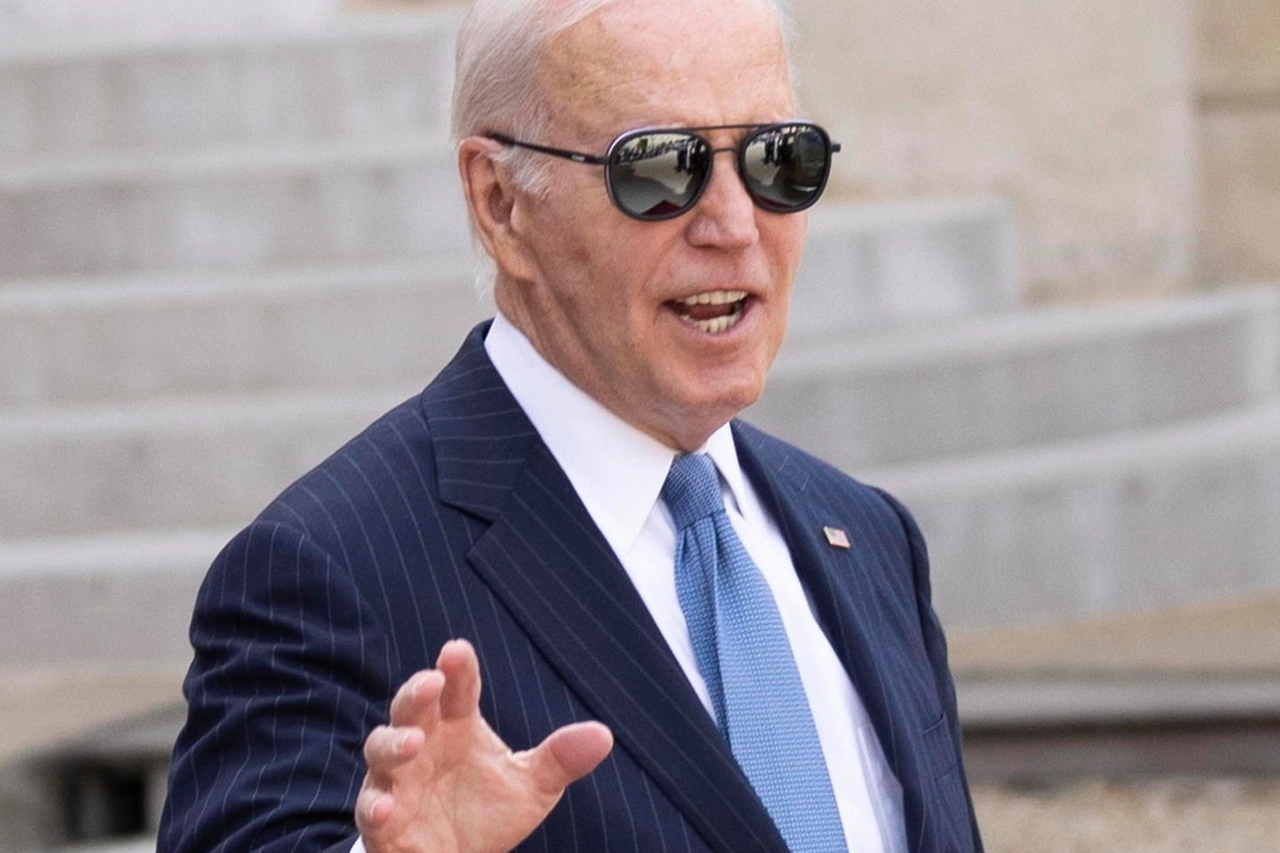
(568, 754)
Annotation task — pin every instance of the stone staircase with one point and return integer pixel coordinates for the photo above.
(222, 253)
(1064, 462)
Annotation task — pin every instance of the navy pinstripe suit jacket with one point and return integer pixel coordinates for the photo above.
(448, 517)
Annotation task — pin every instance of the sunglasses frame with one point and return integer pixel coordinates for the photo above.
(757, 129)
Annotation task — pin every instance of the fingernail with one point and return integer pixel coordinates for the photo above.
(401, 740)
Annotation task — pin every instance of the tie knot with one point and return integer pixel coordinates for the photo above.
(692, 489)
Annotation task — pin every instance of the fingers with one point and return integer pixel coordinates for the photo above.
(416, 703)
(415, 709)
(440, 762)
(451, 690)
(373, 808)
(568, 754)
(461, 669)
(387, 748)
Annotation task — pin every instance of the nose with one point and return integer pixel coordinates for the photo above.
(725, 215)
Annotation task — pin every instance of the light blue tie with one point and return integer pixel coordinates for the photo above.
(745, 658)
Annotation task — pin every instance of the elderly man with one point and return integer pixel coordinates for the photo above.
(695, 637)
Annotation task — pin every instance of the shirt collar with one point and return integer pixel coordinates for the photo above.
(616, 469)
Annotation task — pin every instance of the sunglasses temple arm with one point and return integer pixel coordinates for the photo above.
(575, 156)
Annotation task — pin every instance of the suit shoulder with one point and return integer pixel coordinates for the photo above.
(391, 455)
(819, 475)
(787, 456)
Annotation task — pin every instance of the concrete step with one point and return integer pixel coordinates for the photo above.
(83, 749)
(1231, 637)
(123, 598)
(233, 209)
(40, 18)
(193, 84)
(897, 262)
(121, 340)
(145, 844)
(170, 463)
(97, 338)
(932, 390)
(914, 396)
(1141, 520)
(1137, 520)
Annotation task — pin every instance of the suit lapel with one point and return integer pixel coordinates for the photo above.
(548, 563)
(866, 604)
(841, 585)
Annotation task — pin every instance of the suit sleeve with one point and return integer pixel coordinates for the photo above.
(291, 671)
(935, 642)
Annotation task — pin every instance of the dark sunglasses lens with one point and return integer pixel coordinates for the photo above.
(786, 166)
(657, 175)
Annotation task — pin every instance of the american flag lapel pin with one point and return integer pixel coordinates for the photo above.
(836, 537)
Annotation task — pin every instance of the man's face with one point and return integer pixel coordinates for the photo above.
(610, 300)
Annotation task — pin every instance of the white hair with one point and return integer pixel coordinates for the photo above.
(497, 85)
(496, 82)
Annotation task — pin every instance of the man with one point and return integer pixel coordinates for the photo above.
(534, 500)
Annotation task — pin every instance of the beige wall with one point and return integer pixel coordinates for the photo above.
(1239, 140)
(1238, 36)
(1139, 141)
(1079, 113)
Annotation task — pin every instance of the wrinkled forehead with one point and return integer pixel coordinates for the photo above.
(667, 62)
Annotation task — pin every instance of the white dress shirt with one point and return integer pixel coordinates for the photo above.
(618, 472)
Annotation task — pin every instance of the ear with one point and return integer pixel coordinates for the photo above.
(492, 197)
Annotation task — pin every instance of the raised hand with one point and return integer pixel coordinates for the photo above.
(441, 781)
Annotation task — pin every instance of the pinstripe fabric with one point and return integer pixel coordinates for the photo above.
(448, 517)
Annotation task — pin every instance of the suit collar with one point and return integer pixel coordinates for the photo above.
(480, 435)
(551, 567)
(616, 469)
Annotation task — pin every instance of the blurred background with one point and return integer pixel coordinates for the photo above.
(1039, 303)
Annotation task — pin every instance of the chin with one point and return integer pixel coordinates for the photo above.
(727, 402)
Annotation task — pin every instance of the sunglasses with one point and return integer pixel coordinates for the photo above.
(654, 174)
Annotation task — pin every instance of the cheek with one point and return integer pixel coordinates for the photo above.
(639, 270)
(783, 235)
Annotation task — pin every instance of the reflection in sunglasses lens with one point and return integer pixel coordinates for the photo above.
(786, 166)
(657, 175)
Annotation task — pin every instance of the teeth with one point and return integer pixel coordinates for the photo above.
(718, 324)
(715, 297)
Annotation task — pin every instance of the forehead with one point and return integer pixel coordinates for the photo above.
(667, 62)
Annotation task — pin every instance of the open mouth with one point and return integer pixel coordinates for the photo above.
(714, 311)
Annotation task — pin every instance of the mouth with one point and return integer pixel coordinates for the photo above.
(714, 311)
